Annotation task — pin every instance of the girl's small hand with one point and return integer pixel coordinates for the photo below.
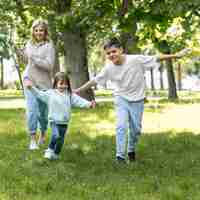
(93, 104)
(28, 83)
(76, 91)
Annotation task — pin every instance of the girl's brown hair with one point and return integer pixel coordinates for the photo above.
(62, 76)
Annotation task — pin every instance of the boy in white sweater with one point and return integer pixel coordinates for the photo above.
(126, 72)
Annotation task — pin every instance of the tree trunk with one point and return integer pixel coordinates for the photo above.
(130, 39)
(152, 80)
(2, 73)
(55, 38)
(76, 61)
(172, 93)
(161, 77)
(164, 47)
(179, 76)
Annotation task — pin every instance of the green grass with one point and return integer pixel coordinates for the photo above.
(11, 93)
(167, 167)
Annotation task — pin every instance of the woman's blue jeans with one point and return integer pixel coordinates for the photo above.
(57, 136)
(36, 113)
(129, 116)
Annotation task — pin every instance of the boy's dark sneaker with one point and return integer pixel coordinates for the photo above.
(120, 160)
(131, 156)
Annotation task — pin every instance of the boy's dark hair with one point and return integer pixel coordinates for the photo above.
(62, 76)
(113, 42)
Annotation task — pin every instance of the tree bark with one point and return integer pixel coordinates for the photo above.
(55, 38)
(76, 61)
(179, 76)
(152, 80)
(164, 47)
(130, 40)
(172, 93)
(161, 76)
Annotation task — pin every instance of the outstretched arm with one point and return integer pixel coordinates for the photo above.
(179, 54)
(167, 57)
(78, 101)
(86, 86)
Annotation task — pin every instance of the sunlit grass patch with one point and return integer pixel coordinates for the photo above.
(11, 93)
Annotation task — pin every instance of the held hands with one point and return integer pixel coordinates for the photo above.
(183, 52)
(93, 104)
(28, 83)
(76, 91)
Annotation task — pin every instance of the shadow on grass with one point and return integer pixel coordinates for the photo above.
(153, 150)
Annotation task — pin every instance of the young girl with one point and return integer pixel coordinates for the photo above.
(60, 99)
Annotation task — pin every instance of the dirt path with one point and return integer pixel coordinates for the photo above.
(12, 103)
(179, 117)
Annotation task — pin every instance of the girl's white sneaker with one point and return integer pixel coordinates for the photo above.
(33, 145)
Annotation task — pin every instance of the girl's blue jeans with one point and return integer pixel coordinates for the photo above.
(36, 113)
(57, 136)
(129, 116)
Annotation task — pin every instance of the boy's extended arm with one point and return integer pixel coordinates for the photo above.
(86, 86)
(167, 57)
(179, 54)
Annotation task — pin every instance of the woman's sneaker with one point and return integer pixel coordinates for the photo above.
(33, 145)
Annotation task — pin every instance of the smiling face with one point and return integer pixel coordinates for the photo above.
(62, 85)
(115, 55)
(39, 33)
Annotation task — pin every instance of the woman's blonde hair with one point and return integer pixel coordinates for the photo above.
(44, 24)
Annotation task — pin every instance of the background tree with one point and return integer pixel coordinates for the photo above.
(83, 23)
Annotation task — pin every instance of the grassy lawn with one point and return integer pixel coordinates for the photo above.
(11, 93)
(167, 167)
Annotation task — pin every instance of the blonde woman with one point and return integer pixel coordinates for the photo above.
(39, 53)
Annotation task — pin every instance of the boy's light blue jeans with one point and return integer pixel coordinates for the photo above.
(57, 136)
(36, 113)
(129, 116)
